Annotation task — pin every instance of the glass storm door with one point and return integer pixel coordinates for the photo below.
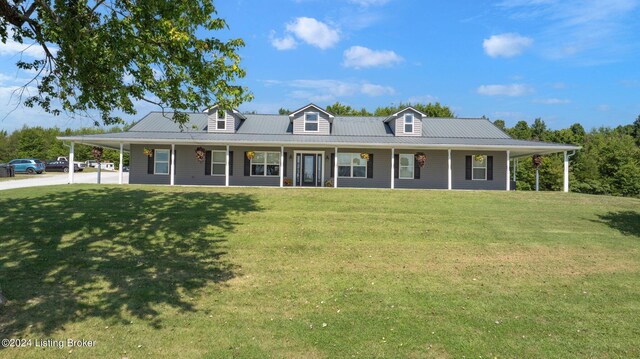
(309, 173)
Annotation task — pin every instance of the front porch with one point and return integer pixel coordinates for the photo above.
(297, 166)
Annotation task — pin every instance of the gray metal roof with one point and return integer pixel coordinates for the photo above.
(163, 122)
(347, 131)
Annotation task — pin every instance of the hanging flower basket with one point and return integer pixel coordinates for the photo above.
(97, 153)
(537, 161)
(421, 158)
(148, 152)
(200, 152)
(250, 155)
(364, 156)
(479, 158)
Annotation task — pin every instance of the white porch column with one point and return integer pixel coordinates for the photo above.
(226, 168)
(508, 173)
(282, 159)
(566, 172)
(120, 166)
(393, 168)
(172, 170)
(335, 169)
(449, 186)
(515, 168)
(71, 166)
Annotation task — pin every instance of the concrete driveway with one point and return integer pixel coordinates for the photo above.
(48, 179)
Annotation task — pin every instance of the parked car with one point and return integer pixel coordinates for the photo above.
(63, 166)
(109, 166)
(27, 165)
(63, 158)
(91, 163)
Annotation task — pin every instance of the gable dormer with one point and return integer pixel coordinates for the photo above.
(223, 121)
(311, 120)
(407, 122)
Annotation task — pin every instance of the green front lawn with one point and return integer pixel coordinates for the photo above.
(319, 273)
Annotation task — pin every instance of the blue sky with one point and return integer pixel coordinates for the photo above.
(563, 61)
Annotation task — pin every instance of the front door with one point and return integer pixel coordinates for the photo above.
(309, 169)
(309, 173)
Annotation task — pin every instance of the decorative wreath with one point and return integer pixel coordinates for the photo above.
(364, 156)
(250, 155)
(479, 158)
(148, 152)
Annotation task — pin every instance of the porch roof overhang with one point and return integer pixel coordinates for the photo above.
(517, 148)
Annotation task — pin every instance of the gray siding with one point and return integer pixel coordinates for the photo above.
(239, 179)
(230, 126)
(189, 171)
(499, 170)
(324, 126)
(138, 166)
(434, 173)
(399, 124)
(381, 170)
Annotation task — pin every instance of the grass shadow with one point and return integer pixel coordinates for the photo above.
(627, 222)
(112, 253)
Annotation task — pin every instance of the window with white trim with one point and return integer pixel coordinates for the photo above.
(351, 165)
(221, 120)
(479, 167)
(161, 162)
(408, 123)
(265, 164)
(406, 166)
(311, 120)
(218, 163)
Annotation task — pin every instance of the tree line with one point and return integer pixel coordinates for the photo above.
(41, 143)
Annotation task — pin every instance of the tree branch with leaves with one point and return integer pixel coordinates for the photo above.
(106, 55)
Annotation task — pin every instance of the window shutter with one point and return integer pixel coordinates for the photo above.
(489, 168)
(370, 166)
(396, 166)
(230, 163)
(416, 169)
(284, 165)
(333, 166)
(247, 165)
(467, 168)
(175, 162)
(207, 163)
(150, 163)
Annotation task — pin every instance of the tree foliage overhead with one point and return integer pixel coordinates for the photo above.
(104, 55)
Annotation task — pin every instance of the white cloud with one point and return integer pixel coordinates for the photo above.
(551, 101)
(314, 32)
(376, 90)
(285, 43)
(595, 28)
(512, 90)
(422, 99)
(362, 57)
(11, 48)
(326, 90)
(366, 3)
(506, 45)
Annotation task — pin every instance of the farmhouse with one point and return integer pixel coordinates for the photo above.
(311, 147)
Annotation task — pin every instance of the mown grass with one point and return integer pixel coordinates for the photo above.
(210, 272)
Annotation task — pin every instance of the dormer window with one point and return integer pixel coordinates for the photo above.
(221, 120)
(311, 122)
(408, 123)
